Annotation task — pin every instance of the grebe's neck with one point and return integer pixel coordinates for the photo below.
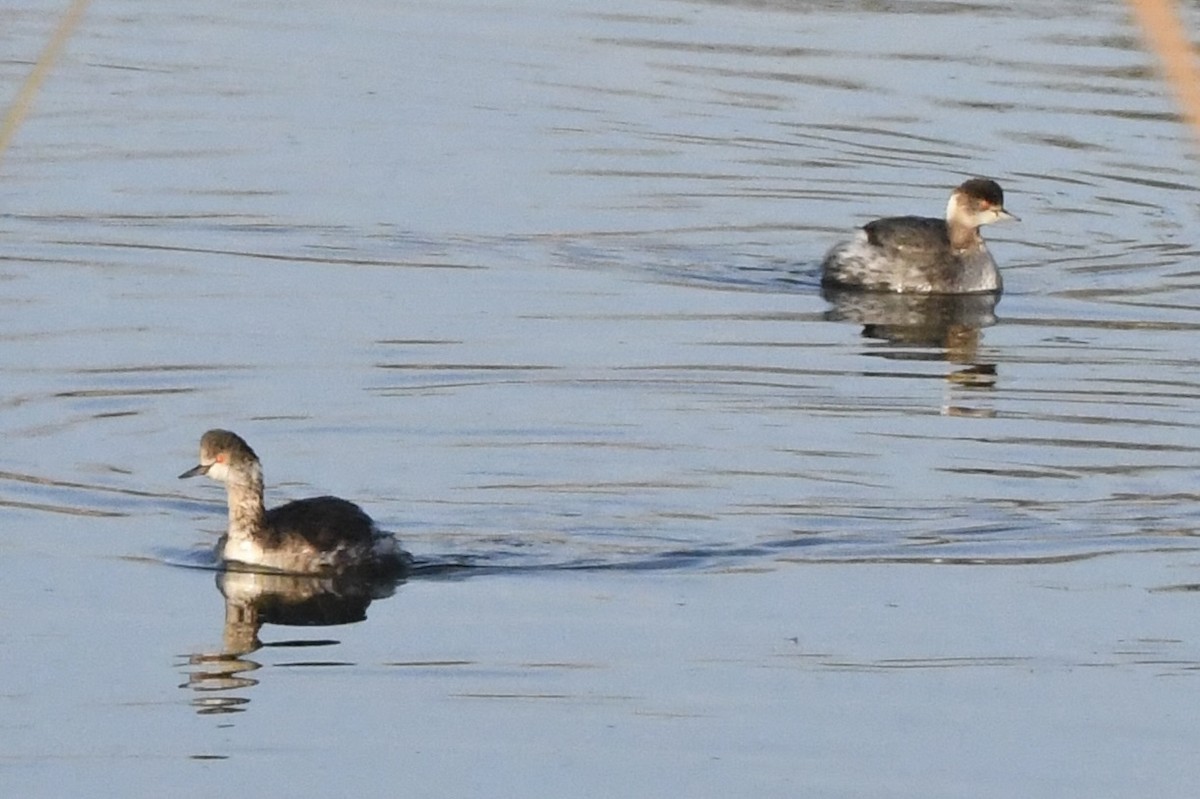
(961, 225)
(247, 516)
(963, 237)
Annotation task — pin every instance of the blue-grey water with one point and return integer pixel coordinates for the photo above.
(535, 283)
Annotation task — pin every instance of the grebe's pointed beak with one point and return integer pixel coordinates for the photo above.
(195, 470)
(1001, 215)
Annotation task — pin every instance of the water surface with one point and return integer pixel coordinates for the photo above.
(536, 284)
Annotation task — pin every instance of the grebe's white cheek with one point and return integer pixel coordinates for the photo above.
(218, 471)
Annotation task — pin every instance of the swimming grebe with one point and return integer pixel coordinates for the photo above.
(319, 535)
(914, 254)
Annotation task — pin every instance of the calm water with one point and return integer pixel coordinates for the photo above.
(535, 283)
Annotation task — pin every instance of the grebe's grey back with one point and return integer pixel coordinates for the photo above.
(921, 255)
(308, 536)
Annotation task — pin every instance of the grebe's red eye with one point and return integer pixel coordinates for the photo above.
(221, 458)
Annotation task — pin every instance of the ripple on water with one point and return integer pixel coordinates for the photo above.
(599, 338)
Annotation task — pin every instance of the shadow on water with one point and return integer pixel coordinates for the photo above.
(947, 327)
(946, 321)
(222, 678)
(253, 599)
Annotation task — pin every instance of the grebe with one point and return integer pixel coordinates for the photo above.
(319, 535)
(920, 255)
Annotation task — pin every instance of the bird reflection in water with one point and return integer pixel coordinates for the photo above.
(925, 327)
(253, 599)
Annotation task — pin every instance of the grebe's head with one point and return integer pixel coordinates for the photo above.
(978, 201)
(226, 457)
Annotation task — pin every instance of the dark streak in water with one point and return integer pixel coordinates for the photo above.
(275, 256)
(63, 509)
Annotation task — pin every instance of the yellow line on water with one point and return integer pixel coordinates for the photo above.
(24, 99)
(1163, 29)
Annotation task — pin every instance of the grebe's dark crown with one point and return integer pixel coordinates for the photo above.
(984, 189)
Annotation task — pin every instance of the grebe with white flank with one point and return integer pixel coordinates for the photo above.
(309, 536)
(921, 255)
